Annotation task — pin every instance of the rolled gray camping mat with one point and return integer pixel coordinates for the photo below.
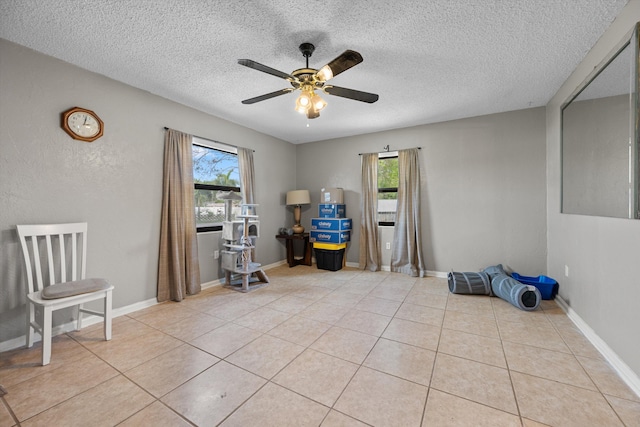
(525, 297)
(469, 283)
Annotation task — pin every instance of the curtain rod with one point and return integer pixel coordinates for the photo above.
(387, 150)
(208, 139)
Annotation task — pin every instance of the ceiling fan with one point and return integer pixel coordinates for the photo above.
(308, 80)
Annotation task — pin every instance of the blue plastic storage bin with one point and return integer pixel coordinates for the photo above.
(547, 286)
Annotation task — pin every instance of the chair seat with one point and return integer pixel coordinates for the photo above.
(72, 299)
(68, 289)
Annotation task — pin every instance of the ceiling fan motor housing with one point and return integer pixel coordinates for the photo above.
(307, 49)
(305, 76)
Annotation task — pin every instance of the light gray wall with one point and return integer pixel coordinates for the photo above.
(483, 187)
(602, 253)
(114, 183)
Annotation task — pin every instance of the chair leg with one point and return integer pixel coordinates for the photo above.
(46, 335)
(78, 311)
(30, 319)
(107, 316)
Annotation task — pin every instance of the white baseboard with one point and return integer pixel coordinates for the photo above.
(14, 343)
(274, 265)
(71, 326)
(440, 274)
(625, 372)
(430, 273)
(211, 284)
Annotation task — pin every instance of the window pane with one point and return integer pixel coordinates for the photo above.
(209, 210)
(215, 167)
(219, 170)
(387, 189)
(387, 207)
(388, 172)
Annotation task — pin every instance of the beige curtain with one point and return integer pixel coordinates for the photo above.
(178, 267)
(247, 179)
(370, 254)
(406, 254)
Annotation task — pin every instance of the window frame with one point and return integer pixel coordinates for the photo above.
(383, 156)
(218, 146)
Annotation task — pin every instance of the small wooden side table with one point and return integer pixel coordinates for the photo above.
(306, 254)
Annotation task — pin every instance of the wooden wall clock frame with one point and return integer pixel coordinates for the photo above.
(82, 124)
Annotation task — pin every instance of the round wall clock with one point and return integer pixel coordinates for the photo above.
(82, 124)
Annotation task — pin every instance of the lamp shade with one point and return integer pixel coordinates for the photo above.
(298, 197)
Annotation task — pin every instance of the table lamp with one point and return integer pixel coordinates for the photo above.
(297, 198)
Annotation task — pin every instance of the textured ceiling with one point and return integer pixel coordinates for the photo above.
(429, 60)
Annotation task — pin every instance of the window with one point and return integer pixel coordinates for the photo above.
(387, 188)
(215, 168)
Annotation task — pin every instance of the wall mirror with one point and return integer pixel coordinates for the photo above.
(600, 138)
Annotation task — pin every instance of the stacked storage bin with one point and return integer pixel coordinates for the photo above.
(331, 231)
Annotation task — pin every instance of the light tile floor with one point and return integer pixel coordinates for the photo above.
(320, 348)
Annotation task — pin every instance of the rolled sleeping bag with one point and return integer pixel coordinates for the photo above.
(469, 283)
(525, 297)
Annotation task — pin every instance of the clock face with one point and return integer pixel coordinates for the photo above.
(83, 124)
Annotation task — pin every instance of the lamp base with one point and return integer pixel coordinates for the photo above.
(298, 229)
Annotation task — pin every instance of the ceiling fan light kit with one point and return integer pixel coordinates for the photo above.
(308, 80)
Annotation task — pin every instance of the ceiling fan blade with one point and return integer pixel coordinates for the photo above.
(267, 96)
(257, 66)
(351, 94)
(348, 59)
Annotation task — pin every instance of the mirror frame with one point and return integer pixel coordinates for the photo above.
(631, 39)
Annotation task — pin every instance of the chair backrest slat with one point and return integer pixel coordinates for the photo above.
(36, 260)
(52, 271)
(63, 263)
(74, 252)
(47, 233)
(83, 260)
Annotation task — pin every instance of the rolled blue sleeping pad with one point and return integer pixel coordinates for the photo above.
(525, 297)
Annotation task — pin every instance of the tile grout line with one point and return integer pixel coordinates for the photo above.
(506, 361)
(308, 347)
(600, 391)
(435, 358)
(269, 380)
(3, 392)
(363, 360)
(123, 373)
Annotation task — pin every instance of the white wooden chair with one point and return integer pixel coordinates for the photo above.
(59, 278)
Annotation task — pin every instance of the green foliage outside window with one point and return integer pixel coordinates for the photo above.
(388, 176)
(387, 190)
